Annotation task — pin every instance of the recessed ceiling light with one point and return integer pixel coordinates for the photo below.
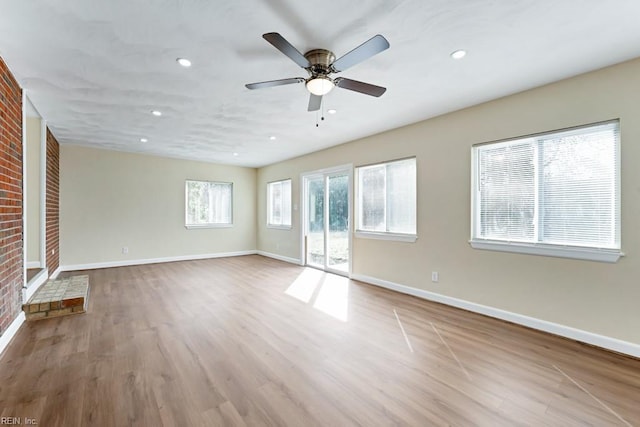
(459, 54)
(272, 137)
(144, 140)
(235, 154)
(332, 111)
(156, 113)
(184, 62)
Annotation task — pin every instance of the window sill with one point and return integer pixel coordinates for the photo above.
(398, 237)
(574, 252)
(197, 226)
(279, 227)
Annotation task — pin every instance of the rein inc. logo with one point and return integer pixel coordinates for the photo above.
(17, 421)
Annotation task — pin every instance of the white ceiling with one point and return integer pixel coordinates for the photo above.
(95, 69)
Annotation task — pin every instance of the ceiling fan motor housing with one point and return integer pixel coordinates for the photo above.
(320, 60)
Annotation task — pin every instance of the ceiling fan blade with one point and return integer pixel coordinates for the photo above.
(354, 85)
(287, 48)
(314, 102)
(272, 83)
(373, 46)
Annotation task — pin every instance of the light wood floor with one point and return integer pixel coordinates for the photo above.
(253, 341)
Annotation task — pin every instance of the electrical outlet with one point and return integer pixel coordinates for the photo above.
(125, 250)
(434, 276)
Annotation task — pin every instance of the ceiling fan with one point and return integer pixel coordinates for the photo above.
(321, 63)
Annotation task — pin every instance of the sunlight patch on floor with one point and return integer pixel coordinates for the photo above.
(333, 297)
(329, 293)
(305, 284)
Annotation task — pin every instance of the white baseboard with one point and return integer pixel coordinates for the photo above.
(39, 280)
(55, 273)
(11, 331)
(602, 341)
(280, 257)
(130, 262)
(33, 264)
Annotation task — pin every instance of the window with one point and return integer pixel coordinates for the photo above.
(386, 197)
(279, 204)
(208, 204)
(554, 194)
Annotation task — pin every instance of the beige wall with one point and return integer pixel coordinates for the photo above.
(109, 200)
(32, 178)
(596, 297)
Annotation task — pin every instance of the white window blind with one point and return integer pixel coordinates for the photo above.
(552, 189)
(208, 203)
(279, 203)
(387, 197)
(507, 191)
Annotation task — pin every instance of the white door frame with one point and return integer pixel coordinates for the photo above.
(28, 289)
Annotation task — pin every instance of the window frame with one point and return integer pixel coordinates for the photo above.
(269, 205)
(212, 224)
(383, 235)
(562, 250)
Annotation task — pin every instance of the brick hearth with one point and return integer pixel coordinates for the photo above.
(58, 298)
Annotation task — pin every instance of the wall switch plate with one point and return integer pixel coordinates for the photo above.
(125, 250)
(434, 276)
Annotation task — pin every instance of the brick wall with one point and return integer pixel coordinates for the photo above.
(53, 203)
(11, 243)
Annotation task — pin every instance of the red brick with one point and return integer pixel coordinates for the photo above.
(11, 182)
(52, 208)
(11, 250)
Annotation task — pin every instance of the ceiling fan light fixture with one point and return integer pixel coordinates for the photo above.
(320, 85)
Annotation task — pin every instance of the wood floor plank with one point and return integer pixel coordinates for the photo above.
(224, 415)
(250, 341)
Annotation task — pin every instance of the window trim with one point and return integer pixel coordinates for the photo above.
(386, 235)
(609, 255)
(213, 225)
(277, 226)
(383, 235)
(229, 224)
(545, 249)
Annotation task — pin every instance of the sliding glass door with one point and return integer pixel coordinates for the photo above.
(315, 235)
(327, 218)
(337, 230)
